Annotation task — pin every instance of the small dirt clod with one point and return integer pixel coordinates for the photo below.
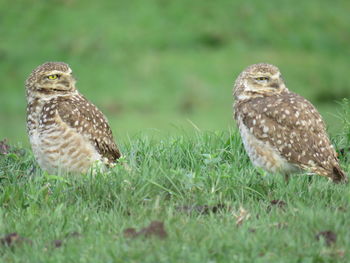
(328, 236)
(276, 203)
(57, 243)
(201, 209)
(13, 239)
(4, 147)
(155, 228)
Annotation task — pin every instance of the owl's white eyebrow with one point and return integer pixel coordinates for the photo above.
(55, 72)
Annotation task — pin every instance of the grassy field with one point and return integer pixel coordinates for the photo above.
(162, 72)
(214, 206)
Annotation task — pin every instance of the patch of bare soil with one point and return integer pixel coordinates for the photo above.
(328, 236)
(13, 239)
(155, 228)
(278, 204)
(4, 147)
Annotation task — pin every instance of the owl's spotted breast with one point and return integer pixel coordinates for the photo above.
(56, 145)
(263, 154)
(58, 148)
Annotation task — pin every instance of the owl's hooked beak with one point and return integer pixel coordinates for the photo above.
(275, 84)
(65, 83)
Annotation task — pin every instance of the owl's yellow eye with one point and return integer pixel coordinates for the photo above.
(53, 77)
(262, 78)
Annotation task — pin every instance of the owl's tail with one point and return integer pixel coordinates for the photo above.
(338, 175)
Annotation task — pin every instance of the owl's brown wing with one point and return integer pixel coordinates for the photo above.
(81, 115)
(292, 125)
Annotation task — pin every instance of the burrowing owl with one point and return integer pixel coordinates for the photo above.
(281, 131)
(67, 132)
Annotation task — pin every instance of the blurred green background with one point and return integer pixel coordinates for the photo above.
(162, 67)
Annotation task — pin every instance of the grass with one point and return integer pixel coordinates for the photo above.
(199, 186)
(162, 72)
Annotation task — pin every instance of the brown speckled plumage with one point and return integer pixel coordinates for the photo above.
(66, 131)
(281, 131)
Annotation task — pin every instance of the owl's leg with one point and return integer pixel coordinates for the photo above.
(310, 176)
(286, 178)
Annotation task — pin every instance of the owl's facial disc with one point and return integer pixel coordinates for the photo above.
(56, 82)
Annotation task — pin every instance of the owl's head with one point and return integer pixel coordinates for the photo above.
(258, 80)
(50, 79)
